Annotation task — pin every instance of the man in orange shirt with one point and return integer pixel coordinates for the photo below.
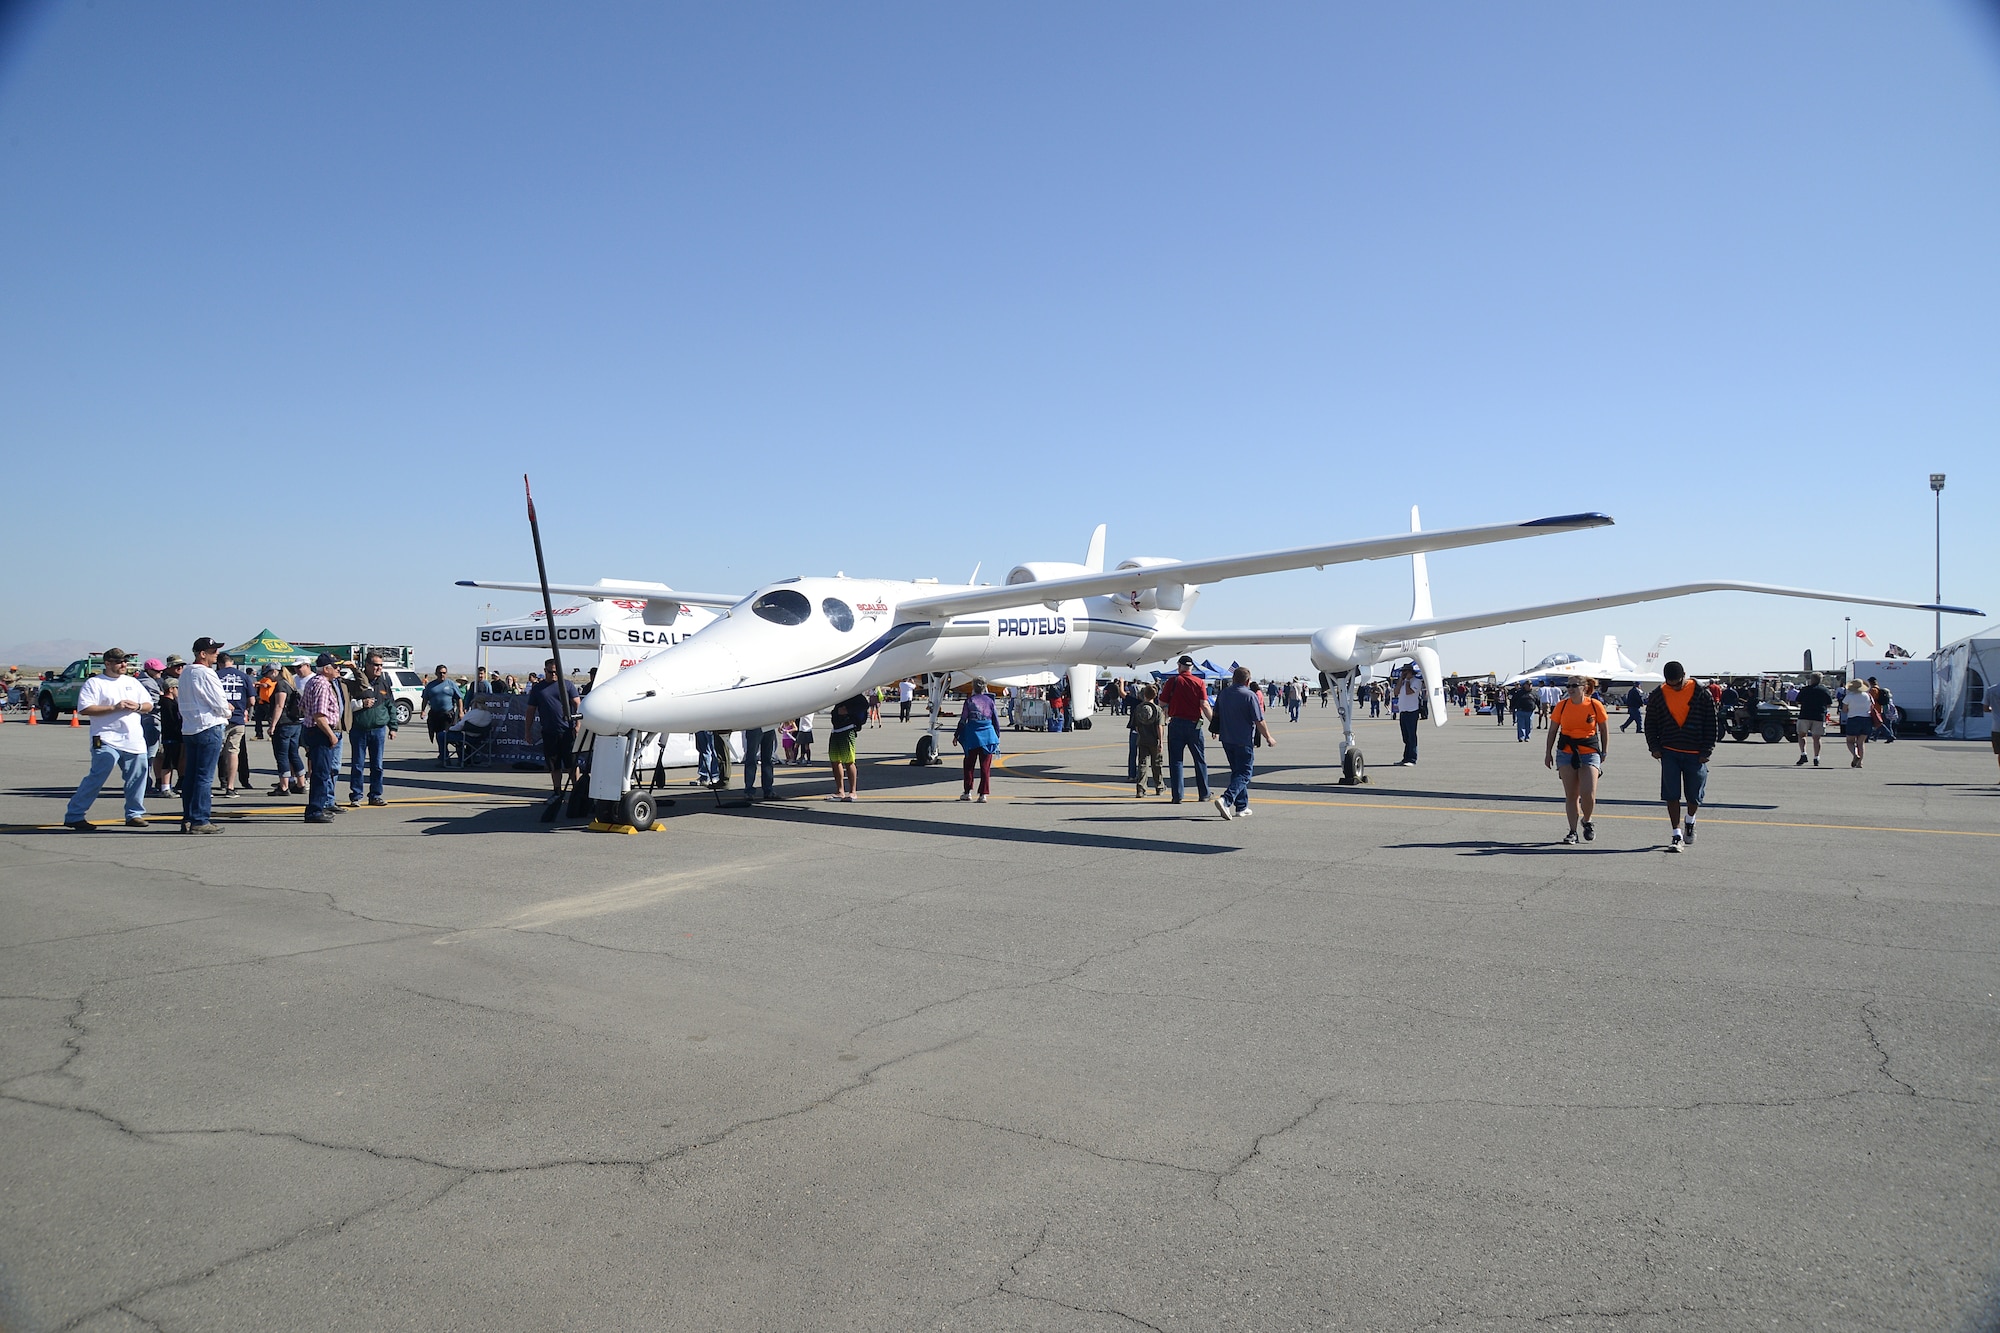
(1681, 733)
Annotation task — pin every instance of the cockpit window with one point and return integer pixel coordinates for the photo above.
(782, 606)
(838, 613)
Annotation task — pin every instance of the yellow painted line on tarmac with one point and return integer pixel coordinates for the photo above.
(1000, 761)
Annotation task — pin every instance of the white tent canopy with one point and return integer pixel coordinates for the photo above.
(1963, 675)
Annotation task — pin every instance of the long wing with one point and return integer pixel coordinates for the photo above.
(969, 600)
(620, 589)
(1419, 629)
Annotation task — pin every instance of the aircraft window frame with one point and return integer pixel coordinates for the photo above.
(782, 606)
(838, 614)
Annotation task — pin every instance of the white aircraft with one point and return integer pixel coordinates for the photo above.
(1611, 664)
(1345, 651)
(803, 644)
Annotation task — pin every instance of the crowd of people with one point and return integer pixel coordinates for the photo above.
(183, 728)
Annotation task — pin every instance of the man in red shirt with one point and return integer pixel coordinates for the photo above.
(1185, 698)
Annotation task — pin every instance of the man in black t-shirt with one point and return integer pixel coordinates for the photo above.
(552, 703)
(1814, 700)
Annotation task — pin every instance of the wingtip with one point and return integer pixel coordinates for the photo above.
(465, 583)
(1954, 610)
(1592, 519)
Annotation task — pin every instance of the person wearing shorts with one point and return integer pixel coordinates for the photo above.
(1857, 719)
(849, 715)
(1813, 702)
(1579, 732)
(552, 702)
(1681, 731)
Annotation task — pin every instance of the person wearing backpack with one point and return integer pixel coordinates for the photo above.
(287, 721)
(1148, 725)
(1579, 733)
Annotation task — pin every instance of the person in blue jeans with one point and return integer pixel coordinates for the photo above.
(760, 746)
(1185, 699)
(324, 707)
(442, 710)
(1239, 718)
(204, 723)
(374, 718)
(1521, 703)
(116, 704)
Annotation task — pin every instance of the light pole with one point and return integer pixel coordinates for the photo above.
(1847, 635)
(1937, 551)
(1524, 654)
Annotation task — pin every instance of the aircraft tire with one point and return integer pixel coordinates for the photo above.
(1353, 768)
(638, 809)
(926, 750)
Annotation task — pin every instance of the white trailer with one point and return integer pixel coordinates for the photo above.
(1908, 680)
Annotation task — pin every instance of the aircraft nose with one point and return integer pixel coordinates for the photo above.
(604, 711)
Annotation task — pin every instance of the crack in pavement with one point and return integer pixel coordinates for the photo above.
(123, 930)
(1882, 1055)
(1087, 960)
(332, 1228)
(1053, 1141)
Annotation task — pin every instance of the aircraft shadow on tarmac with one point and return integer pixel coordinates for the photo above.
(1486, 847)
(984, 832)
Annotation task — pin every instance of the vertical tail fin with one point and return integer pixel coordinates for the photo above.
(1093, 559)
(1420, 578)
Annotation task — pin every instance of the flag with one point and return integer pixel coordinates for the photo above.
(1897, 650)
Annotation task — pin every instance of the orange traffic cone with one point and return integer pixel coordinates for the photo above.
(34, 715)
(72, 719)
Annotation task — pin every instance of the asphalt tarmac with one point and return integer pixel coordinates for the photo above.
(1377, 1058)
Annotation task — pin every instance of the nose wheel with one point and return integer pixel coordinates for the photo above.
(1353, 769)
(927, 751)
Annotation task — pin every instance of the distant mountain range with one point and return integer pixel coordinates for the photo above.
(49, 652)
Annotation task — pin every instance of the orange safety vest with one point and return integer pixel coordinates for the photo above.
(1578, 723)
(1678, 700)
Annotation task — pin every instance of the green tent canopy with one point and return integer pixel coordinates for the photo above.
(265, 648)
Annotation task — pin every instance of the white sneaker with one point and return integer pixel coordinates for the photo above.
(1675, 845)
(965, 795)
(848, 797)
(1222, 808)
(979, 799)
(1244, 813)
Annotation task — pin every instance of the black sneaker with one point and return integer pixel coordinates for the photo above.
(1802, 761)
(1589, 832)
(1690, 833)
(80, 826)
(322, 818)
(376, 800)
(1569, 838)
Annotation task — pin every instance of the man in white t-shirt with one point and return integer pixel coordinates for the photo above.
(114, 703)
(906, 690)
(1409, 701)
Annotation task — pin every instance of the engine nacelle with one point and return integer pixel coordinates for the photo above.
(1335, 652)
(1155, 597)
(1037, 570)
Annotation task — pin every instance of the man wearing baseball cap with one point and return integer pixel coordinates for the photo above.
(114, 703)
(324, 709)
(204, 722)
(1185, 698)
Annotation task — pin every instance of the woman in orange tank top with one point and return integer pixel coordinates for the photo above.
(1579, 732)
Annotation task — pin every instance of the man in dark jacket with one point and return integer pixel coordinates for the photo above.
(373, 726)
(1681, 733)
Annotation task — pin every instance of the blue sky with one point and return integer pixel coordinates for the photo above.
(290, 296)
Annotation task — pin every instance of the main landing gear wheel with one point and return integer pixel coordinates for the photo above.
(1083, 724)
(638, 809)
(1353, 769)
(927, 751)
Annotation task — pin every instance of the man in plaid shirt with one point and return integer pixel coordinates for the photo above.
(325, 709)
